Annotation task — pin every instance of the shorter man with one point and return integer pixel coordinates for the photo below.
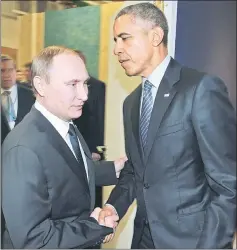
(48, 175)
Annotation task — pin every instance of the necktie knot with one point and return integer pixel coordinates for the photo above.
(71, 130)
(6, 93)
(147, 86)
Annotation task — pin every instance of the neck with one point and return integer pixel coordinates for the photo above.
(157, 58)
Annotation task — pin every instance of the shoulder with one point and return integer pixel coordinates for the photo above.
(26, 133)
(26, 92)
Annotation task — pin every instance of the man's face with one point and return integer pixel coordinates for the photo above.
(133, 45)
(67, 90)
(19, 76)
(8, 74)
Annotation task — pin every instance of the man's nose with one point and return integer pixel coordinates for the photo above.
(118, 48)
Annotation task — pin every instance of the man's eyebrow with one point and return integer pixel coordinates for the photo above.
(72, 81)
(121, 34)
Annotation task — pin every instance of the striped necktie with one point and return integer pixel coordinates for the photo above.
(147, 104)
(8, 106)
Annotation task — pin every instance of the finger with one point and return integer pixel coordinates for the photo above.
(114, 217)
(108, 238)
(101, 218)
(97, 209)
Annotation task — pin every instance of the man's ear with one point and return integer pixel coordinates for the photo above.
(157, 36)
(39, 85)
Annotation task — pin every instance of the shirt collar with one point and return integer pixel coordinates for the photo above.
(60, 125)
(156, 76)
(13, 90)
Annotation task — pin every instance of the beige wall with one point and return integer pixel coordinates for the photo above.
(31, 38)
(22, 33)
(9, 32)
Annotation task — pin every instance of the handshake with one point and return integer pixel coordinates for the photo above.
(107, 217)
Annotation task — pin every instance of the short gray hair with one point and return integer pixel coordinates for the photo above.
(150, 13)
(42, 63)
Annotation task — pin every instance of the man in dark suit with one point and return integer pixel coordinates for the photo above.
(180, 139)
(18, 102)
(48, 175)
(21, 99)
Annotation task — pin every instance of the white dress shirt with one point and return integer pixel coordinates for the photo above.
(14, 98)
(155, 78)
(62, 127)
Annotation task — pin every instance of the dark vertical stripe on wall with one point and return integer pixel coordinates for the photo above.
(206, 39)
(77, 28)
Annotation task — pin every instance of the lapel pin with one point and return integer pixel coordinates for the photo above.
(167, 95)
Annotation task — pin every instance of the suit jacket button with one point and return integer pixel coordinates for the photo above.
(146, 185)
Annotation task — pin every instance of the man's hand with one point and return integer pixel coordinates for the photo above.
(119, 165)
(104, 217)
(95, 213)
(96, 157)
(110, 220)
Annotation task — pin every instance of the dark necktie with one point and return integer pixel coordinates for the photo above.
(146, 110)
(75, 145)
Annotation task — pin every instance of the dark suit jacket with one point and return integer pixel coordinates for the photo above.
(25, 102)
(46, 198)
(185, 182)
(91, 123)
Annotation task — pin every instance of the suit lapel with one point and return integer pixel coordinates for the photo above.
(61, 146)
(135, 116)
(164, 97)
(4, 119)
(21, 107)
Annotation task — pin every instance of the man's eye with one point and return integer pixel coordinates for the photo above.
(124, 38)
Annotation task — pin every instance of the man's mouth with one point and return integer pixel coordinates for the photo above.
(123, 61)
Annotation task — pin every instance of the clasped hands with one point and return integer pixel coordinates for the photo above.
(106, 217)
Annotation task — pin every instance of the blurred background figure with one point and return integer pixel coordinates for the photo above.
(27, 75)
(28, 71)
(20, 76)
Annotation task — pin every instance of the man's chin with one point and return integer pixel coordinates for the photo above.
(130, 72)
(77, 114)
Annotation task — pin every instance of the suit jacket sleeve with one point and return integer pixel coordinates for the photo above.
(215, 126)
(105, 174)
(27, 208)
(123, 194)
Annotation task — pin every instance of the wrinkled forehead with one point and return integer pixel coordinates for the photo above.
(69, 66)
